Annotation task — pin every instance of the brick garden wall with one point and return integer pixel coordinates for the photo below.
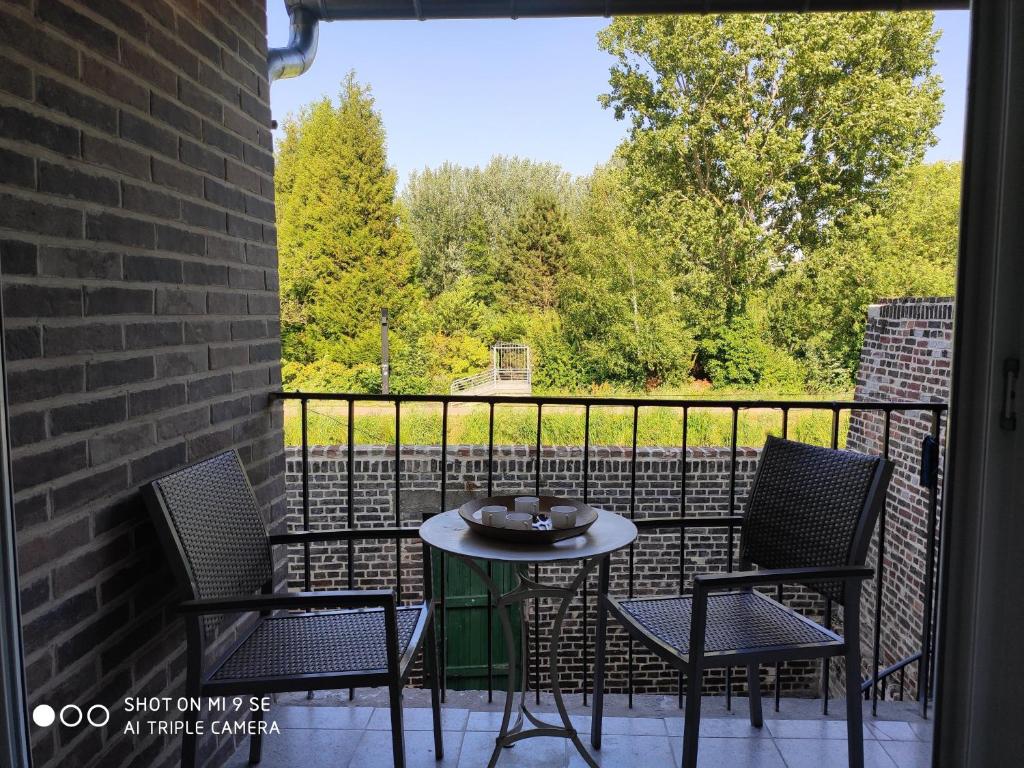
(906, 356)
(140, 313)
(656, 564)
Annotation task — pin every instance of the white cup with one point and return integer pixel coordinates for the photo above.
(530, 504)
(520, 521)
(563, 516)
(493, 515)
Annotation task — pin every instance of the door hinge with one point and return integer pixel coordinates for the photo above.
(1011, 374)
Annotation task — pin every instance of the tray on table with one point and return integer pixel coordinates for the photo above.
(585, 517)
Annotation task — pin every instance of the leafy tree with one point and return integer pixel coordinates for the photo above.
(908, 248)
(756, 138)
(461, 217)
(624, 316)
(343, 252)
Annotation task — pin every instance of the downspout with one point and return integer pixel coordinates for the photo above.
(298, 55)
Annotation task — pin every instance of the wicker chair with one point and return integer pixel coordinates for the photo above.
(809, 519)
(210, 526)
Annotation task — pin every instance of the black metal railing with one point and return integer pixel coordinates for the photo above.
(873, 687)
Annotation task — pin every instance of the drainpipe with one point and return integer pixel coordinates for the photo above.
(298, 55)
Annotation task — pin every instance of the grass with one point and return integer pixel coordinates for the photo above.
(561, 425)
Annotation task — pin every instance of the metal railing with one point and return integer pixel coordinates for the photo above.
(872, 687)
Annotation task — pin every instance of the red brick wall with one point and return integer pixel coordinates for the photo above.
(140, 313)
(906, 356)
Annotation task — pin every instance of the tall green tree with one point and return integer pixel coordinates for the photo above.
(756, 138)
(623, 316)
(343, 251)
(462, 217)
(907, 248)
(535, 255)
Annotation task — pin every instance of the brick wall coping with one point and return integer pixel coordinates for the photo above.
(919, 308)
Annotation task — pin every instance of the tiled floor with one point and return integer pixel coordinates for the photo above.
(359, 737)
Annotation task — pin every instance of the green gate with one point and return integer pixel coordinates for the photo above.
(466, 598)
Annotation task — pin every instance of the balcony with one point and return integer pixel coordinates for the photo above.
(332, 731)
(354, 485)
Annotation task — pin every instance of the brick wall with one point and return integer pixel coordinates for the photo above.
(140, 314)
(656, 556)
(906, 356)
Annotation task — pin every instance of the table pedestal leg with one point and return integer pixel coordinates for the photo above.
(525, 590)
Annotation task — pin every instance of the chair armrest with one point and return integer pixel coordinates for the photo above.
(709, 581)
(343, 534)
(340, 598)
(730, 521)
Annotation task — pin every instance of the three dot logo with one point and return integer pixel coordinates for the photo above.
(71, 715)
(43, 715)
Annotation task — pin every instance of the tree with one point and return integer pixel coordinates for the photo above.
(623, 315)
(535, 255)
(908, 248)
(461, 217)
(756, 138)
(343, 252)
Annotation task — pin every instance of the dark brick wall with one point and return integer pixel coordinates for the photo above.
(656, 554)
(906, 356)
(139, 266)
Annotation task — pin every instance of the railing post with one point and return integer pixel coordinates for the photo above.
(924, 673)
(303, 404)
(876, 640)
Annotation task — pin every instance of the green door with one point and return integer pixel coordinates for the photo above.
(466, 624)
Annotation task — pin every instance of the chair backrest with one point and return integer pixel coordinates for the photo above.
(212, 530)
(812, 507)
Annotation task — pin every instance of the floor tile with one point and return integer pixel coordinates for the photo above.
(619, 751)
(812, 729)
(375, 750)
(719, 727)
(344, 718)
(419, 719)
(894, 730)
(816, 753)
(541, 752)
(923, 730)
(486, 721)
(301, 747)
(733, 753)
(634, 726)
(909, 754)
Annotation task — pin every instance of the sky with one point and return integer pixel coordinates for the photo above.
(463, 91)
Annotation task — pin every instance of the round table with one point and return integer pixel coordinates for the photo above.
(449, 533)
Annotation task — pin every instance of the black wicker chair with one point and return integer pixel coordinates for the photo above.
(211, 528)
(808, 521)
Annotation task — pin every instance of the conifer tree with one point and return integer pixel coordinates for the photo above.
(343, 252)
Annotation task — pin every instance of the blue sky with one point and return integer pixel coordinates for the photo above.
(466, 90)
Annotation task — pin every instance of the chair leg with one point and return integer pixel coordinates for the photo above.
(754, 689)
(397, 734)
(256, 740)
(599, 660)
(691, 722)
(431, 664)
(854, 713)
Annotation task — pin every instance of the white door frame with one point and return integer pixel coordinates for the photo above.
(980, 708)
